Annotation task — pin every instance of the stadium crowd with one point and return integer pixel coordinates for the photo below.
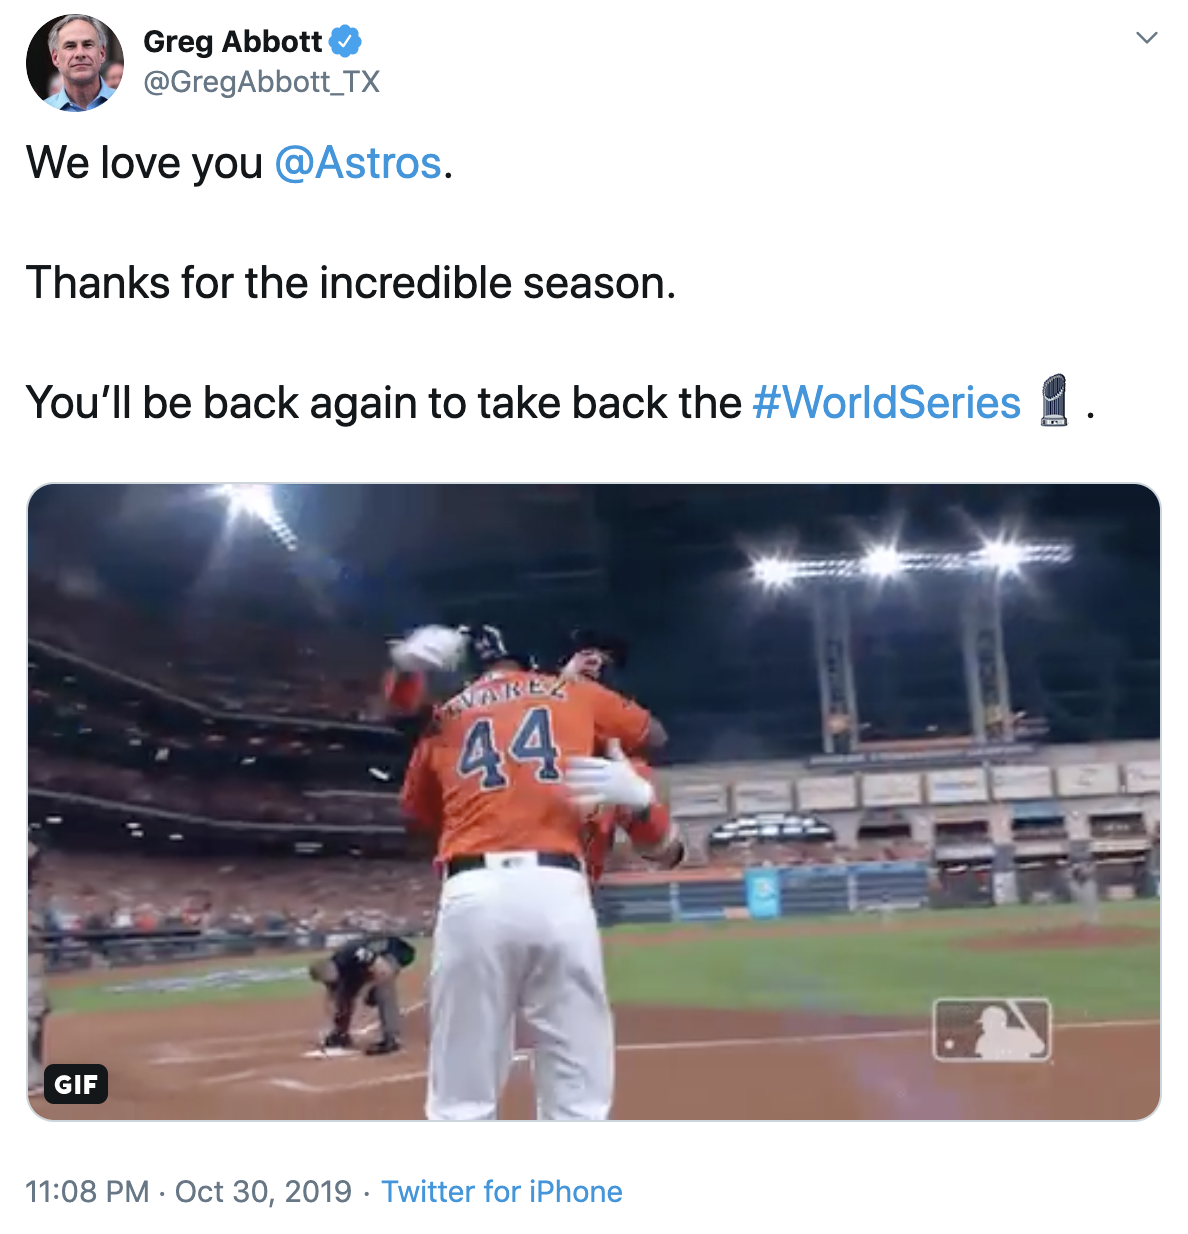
(264, 801)
(88, 892)
(130, 891)
(232, 665)
(97, 735)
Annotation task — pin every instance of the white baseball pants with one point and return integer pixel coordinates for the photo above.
(518, 942)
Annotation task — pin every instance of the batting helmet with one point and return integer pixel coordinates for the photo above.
(487, 647)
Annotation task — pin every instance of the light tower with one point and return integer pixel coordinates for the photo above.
(835, 669)
(984, 573)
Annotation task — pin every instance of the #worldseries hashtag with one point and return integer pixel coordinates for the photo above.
(910, 402)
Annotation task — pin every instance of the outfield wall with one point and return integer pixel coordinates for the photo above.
(771, 892)
(767, 893)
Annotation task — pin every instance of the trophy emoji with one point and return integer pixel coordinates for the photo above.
(1054, 401)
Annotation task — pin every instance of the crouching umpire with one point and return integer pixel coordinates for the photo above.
(364, 973)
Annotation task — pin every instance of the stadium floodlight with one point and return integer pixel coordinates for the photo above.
(999, 557)
(982, 572)
(256, 501)
(1003, 556)
(883, 562)
(253, 499)
(773, 573)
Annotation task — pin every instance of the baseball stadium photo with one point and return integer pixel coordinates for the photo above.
(589, 802)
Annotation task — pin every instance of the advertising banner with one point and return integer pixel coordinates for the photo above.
(927, 751)
(1087, 779)
(763, 797)
(891, 789)
(695, 800)
(763, 893)
(1021, 783)
(816, 793)
(956, 785)
(1143, 777)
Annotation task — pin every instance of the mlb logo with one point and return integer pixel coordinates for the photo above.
(992, 1030)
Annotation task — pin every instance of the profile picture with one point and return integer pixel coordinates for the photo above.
(75, 63)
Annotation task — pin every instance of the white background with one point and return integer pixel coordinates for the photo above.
(844, 194)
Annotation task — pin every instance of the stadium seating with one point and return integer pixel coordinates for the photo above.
(100, 734)
(231, 665)
(101, 891)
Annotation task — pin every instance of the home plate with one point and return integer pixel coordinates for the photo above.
(332, 1053)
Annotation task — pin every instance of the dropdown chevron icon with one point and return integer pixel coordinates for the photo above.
(1145, 38)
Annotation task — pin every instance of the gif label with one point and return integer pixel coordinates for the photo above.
(75, 1084)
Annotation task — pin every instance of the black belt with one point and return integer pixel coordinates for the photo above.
(495, 861)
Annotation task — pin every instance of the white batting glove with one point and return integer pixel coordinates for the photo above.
(597, 782)
(428, 647)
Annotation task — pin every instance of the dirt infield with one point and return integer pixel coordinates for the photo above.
(228, 1061)
(1063, 939)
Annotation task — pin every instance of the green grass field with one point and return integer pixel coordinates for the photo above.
(865, 968)
(836, 965)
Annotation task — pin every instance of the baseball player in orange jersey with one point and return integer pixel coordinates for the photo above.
(653, 836)
(406, 690)
(516, 935)
(652, 833)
